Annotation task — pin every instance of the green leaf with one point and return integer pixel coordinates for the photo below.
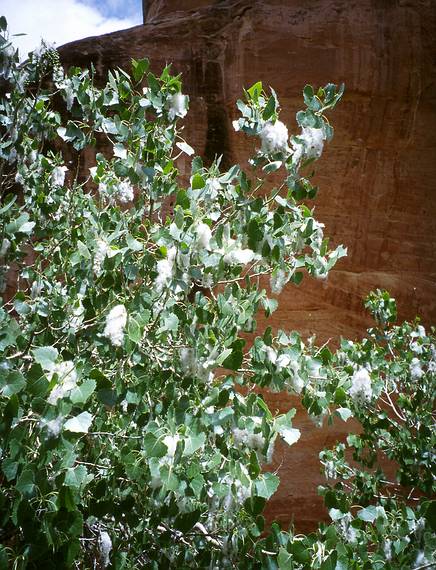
(255, 90)
(284, 559)
(197, 485)
(9, 468)
(107, 397)
(290, 435)
(369, 514)
(139, 68)
(330, 562)
(255, 234)
(269, 305)
(340, 396)
(46, 356)
(153, 447)
(197, 182)
(4, 558)
(21, 307)
(169, 479)
(193, 443)
(266, 485)
(26, 228)
(12, 382)
(301, 552)
(344, 413)
(153, 83)
(79, 424)
(183, 146)
(308, 94)
(76, 476)
(271, 107)
(81, 393)
(83, 250)
(234, 361)
(3, 24)
(133, 243)
(26, 484)
(297, 278)
(272, 166)
(134, 330)
(197, 164)
(336, 514)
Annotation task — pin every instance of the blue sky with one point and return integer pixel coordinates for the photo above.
(63, 21)
(117, 8)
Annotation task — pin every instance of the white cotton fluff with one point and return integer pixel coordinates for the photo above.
(297, 383)
(416, 347)
(415, 369)
(421, 560)
(251, 440)
(274, 137)
(236, 126)
(203, 235)
(102, 189)
(66, 381)
(298, 150)
(19, 179)
(270, 451)
(420, 332)
(53, 427)
(239, 256)
(313, 141)
(204, 371)
(361, 389)
(76, 319)
(213, 186)
(165, 269)
(282, 362)
(271, 354)
(115, 323)
(330, 470)
(240, 436)
(278, 280)
(188, 361)
(57, 177)
(348, 532)
(105, 546)
(387, 549)
(101, 251)
(255, 441)
(6, 244)
(177, 106)
(35, 290)
(242, 492)
(69, 98)
(125, 192)
(171, 442)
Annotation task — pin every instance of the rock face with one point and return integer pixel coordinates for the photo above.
(377, 178)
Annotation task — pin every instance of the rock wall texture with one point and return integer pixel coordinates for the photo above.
(377, 178)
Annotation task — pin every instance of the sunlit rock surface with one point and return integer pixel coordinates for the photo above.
(377, 178)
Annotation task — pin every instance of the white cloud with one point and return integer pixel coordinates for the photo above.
(56, 21)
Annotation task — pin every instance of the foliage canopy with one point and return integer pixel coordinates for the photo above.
(131, 434)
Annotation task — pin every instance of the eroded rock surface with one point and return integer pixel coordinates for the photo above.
(377, 178)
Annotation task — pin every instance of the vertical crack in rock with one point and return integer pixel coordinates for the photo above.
(217, 135)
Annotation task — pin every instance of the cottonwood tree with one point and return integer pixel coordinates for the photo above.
(130, 432)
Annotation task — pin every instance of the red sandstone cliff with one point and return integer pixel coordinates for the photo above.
(377, 178)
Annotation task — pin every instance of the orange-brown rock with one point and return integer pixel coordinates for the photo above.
(377, 178)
